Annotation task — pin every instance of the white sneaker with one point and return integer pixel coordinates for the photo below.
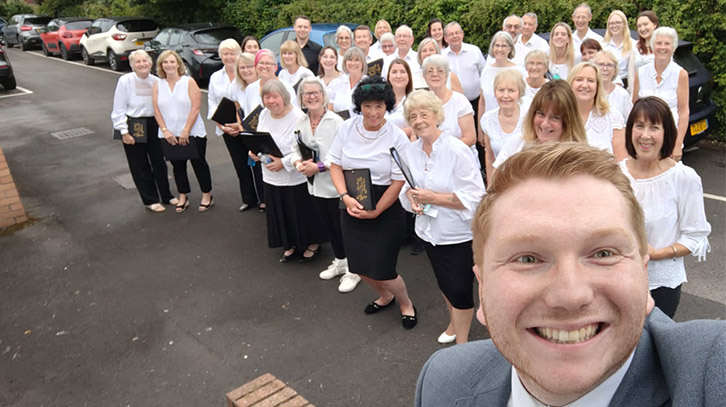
(348, 282)
(336, 268)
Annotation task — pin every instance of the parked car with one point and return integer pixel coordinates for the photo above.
(197, 45)
(24, 30)
(702, 109)
(7, 78)
(62, 35)
(2, 24)
(322, 33)
(113, 39)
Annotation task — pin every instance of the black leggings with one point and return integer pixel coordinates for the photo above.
(667, 299)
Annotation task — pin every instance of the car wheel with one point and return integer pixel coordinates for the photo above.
(87, 59)
(23, 46)
(44, 48)
(113, 61)
(9, 84)
(64, 52)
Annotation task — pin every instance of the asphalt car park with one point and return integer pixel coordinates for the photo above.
(106, 303)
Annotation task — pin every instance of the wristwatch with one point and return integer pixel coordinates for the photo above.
(343, 195)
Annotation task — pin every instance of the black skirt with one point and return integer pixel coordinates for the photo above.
(372, 245)
(452, 264)
(292, 220)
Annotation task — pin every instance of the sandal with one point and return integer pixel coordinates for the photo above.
(262, 208)
(181, 207)
(156, 207)
(205, 207)
(172, 201)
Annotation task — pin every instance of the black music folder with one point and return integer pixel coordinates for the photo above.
(375, 67)
(261, 142)
(226, 112)
(180, 152)
(137, 129)
(250, 122)
(360, 187)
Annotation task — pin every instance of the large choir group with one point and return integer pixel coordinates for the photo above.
(451, 113)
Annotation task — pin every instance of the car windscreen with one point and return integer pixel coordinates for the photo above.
(37, 20)
(133, 26)
(78, 25)
(217, 35)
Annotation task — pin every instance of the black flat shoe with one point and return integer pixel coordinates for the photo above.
(262, 208)
(409, 321)
(374, 307)
(315, 253)
(287, 257)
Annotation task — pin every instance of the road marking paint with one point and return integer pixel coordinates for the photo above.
(715, 197)
(23, 90)
(38, 54)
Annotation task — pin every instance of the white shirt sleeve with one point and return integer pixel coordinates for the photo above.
(120, 101)
(692, 223)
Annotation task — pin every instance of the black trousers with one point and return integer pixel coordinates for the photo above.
(329, 213)
(479, 147)
(148, 168)
(667, 299)
(250, 178)
(201, 170)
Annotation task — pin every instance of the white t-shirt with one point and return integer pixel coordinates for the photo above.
(457, 106)
(521, 49)
(559, 71)
(282, 131)
(451, 168)
(340, 94)
(395, 116)
(530, 91)
(599, 129)
(674, 213)
(254, 98)
(620, 100)
(493, 129)
(294, 78)
(355, 147)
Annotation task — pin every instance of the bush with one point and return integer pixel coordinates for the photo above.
(13, 7)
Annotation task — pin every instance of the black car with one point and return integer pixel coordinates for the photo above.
(196, 44)
(24, 30)
(702, 109)
(7, 78)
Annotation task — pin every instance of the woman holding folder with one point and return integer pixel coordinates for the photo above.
(446, 192)
(362, 169)
(291, 218)
(132, 102)
(177, 101)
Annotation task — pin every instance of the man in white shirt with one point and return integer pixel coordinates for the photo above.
(561, 257)
(513, 26)
(404, 42)
(528, 40)
(363, 38)
(466, 60)
(581, 17)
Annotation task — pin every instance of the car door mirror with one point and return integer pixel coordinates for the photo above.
(93, 30)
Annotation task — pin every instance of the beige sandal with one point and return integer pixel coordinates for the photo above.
(156, 207)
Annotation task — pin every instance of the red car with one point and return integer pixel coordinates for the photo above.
(62, 35)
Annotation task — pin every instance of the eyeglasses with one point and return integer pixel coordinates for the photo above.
(606, 66)
(266, 63)
(312, 93)
(512, 26)
(615, 23)
(431, 71)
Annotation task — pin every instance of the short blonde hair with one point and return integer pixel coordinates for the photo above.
(292, 46)
(243, 59)
(139, 53)
(230, 44)
(426, 100)
(555, 161)
(512, 76)
(601, 99)
(538, 53)
(501, 35)
(276, 86)
(164, 55)
(355, 52)
(609, 55)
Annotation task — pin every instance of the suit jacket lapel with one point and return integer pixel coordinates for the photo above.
(494, 388)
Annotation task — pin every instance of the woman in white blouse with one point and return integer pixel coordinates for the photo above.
(328, 65)
(604, 127)
(618, 98)
(292, 222)
(646, 23)
(536, 63)
(344, 40)
(293, 62)
(617, 40)
(399, 76)
(317, 131)
(177, 101)
(426, 48)
(266, 67)
(501, 49)
(132, 99)
(447, 193)
(458, 113)
(562, 52)
(666, 79)
(505, 121)
(671, 196)
(341, 89)
(372, 237)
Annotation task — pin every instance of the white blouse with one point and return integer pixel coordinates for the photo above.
(493, 129)
(320, 141)
(395, 116)
(420, 83)
(218, 84)
(293, 78)
(239, 95)
(667, 89)
(458, 106)
(175, 107)
(559, 71)
(340, 94)
(486, 84)
(132, 98)
(355, 147)
(530, 91)
(625, 62)
(511, 146)
(450, 168)
(599, 129)
(674, 213)
(282, 131)
(620, 100)
(253, 93)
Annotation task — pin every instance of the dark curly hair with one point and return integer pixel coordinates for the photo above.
(373, 88)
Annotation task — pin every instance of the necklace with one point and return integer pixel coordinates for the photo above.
(314, 123)
(369, 140)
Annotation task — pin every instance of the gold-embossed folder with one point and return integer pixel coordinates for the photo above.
(137, 130)
(359, 186)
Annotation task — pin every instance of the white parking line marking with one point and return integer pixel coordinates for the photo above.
(25, 92)
(715, 197)
(38, 54)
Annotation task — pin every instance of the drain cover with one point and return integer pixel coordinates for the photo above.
(66, 134)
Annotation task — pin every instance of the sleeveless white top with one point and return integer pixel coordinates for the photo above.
(667, 89)
(175, 106)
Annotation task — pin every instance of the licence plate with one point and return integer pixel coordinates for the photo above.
(39, 30)
(139, 42)
(699, 127)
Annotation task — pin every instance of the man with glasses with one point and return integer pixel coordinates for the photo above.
(404, 41)
(513, 26)
(528, 40)
(581, 17)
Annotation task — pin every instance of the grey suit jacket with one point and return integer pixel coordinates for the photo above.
(675, 364)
